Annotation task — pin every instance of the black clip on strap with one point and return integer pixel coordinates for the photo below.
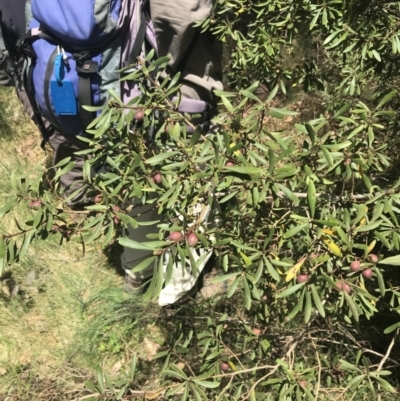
(85, 68)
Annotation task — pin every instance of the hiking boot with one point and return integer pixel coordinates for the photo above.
(183, 285)
(133, 285)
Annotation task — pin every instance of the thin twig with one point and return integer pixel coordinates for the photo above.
(319, 369)
(370, 351)
(239, 372)
(389, 350)
(225, 389)
(231, 352)
(274, 369)
(385, 358)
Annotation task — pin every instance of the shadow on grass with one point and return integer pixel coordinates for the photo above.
(14, 123)
(113, 254)
(6, 97)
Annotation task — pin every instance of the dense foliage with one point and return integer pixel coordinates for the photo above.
(305, 224)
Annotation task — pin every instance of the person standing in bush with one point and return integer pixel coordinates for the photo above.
(197, 56)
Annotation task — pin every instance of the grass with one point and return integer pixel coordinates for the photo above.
(58, 307)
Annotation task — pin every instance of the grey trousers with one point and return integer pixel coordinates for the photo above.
(198, 55)
(200, 58)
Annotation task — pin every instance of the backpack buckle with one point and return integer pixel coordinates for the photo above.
(87, 67)
(3, 55)
(28, 50)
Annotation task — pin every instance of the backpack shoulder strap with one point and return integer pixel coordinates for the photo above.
(25, 83)
(143, 19)
(37, 116)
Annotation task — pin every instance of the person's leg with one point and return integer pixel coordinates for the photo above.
(72, 181)
(182, 279)
(131, 258)
(199, 56)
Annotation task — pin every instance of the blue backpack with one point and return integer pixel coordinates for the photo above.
(75, 50)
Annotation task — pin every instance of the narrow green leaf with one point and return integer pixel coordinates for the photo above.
(227, 104)
(381, 237)
(7, 207)
(332, 36)
(385, 385)
(311, 133)
(393, 260)
(62, 162)
(225, 277)
(342, 110)
(298, 307)
(247, 294)
(195, 391)
(66, 169)
(108, 381)
(240, 245)
(392, 328)
(232, 289)
(311, 197)
(352, 305)
(294, 230)
(174, 374)
(281, 113)
(161, 60)
(27, 240)
(355, 381)
(160, 157)
(115, 96)
(90, 386)
(307, 308)
(288, 193)
(381, 282)
(271, 270)
(144, 264)
(317, 300)
(376, 55)
(2, 248)
(349, 366)
(109, 234)
(272, 94)
(243, 170)
(129, 243)
(290, 290)
(369, 227)
(250, 95)
(207, 384)
(327, 156)
(100, 380)
(174, 80)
